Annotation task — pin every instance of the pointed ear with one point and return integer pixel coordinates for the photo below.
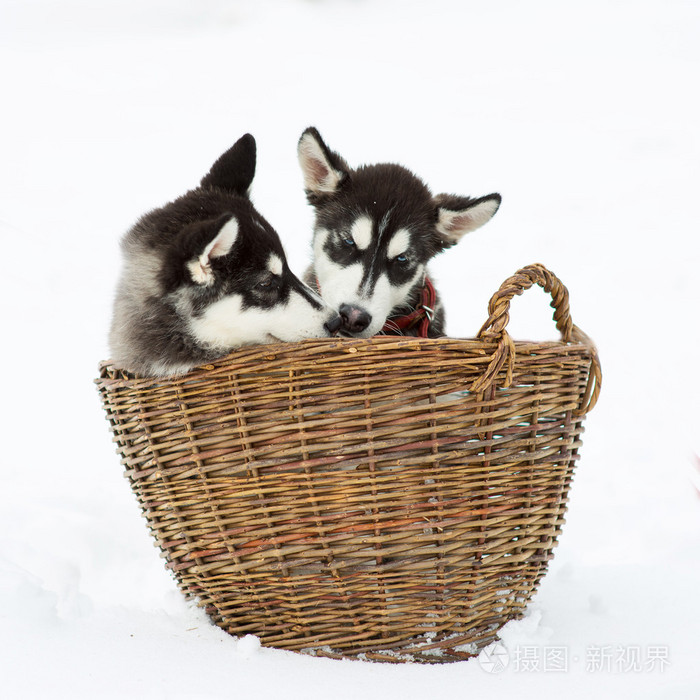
(324, 171)
(460, 215)
(200, 267)
(234, 170)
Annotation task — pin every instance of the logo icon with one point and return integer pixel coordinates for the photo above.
(494, 658)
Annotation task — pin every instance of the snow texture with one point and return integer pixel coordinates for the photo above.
(583, 116)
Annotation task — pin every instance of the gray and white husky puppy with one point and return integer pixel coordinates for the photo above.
(376, 228)
(205, 274)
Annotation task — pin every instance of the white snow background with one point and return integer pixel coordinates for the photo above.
(584, 116)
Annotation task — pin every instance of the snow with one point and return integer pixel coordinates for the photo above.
(584, 117)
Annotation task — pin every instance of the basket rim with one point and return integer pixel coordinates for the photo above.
(275, 355)
(311, 347)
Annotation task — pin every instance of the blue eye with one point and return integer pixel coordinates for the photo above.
(349, 242)
(401, 259)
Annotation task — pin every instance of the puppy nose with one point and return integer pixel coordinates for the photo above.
(355, 318)
(333, 324)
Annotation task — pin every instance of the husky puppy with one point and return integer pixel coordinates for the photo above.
(376, 228)
(205, 274)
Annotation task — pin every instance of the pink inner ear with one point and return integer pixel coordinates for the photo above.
(220, 247)
(319, 172)
(222, 244)
(457, 223)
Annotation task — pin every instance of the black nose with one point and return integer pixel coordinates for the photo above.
(355, 318)
(333, 324)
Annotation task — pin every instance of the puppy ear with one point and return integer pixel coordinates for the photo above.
(235, 169)
(324, 171)
(200, 267)
(460, 215)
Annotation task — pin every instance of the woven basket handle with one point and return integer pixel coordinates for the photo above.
(495, 328)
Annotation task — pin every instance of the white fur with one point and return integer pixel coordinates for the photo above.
(338, 282)
(455, 224)
(200, 268)
(399, 243)
(274, 264)
(319, 175)
(164, 369)
(226, 323)
(384, 222)
(383, 299)
(342, 285)
(362, 232)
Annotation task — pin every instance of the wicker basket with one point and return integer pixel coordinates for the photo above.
(391, 498)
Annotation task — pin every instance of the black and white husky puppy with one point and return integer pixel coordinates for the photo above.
(205, 274)
(376, 228)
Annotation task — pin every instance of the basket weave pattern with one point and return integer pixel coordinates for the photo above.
(397, 498)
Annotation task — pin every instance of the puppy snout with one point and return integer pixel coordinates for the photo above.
(354, 318)
(333, 324)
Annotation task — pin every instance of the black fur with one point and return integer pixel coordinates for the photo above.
(235, 169)
(392, 194)
(157, 294)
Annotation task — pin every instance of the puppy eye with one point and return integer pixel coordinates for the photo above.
(349, 242)
(401, 259)
(268, 283)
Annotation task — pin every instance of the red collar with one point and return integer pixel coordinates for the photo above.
(421, 316)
